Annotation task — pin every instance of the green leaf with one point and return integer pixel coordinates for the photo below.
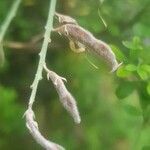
(142, 73)
(128, 44)
(131, 67)
(122, 72)
(147, 147)
(137, 43)
(141, 29)
(119, 54)
(135, 48)
(124, 89)
(132, 110)
(136, 40)
(146, 68)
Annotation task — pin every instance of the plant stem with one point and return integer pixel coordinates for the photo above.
(48, 29)
(5, 26)
(31, 124)
(9, 18)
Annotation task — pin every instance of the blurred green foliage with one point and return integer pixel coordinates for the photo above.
(114, 108)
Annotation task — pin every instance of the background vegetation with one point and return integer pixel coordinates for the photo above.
(114, 108)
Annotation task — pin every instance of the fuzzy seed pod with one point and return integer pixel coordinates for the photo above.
(65, 96)
(77, 33)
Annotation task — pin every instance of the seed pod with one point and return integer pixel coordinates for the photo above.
(65, 97)
(77, 33)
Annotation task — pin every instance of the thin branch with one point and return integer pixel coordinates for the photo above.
(65, 96)
(9, 18)
(5, 26)
(42, 54)
(29, 114)
(32, 45)
(29, 46)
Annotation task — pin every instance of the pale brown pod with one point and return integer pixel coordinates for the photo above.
(77, 33)
(65, 97)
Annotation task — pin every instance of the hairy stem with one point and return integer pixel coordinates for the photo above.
(48, 29)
